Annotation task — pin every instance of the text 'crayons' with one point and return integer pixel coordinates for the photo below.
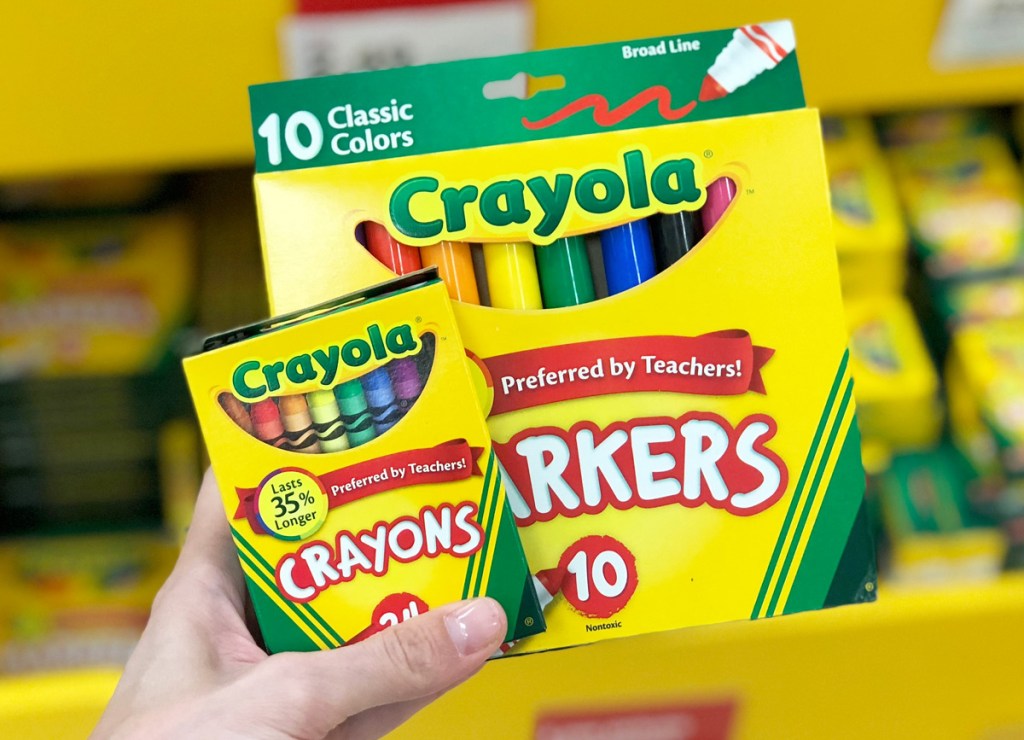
(628, 256)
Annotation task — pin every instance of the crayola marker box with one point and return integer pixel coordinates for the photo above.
(654, 325)
(356, 468)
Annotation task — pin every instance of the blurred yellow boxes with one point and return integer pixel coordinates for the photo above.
(985, 388)
(934, 535)
(871, 240)
(77, 601)
(895, 382)
(963, 203)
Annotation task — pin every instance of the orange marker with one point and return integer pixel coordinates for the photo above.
(454, 262)
(397, 257)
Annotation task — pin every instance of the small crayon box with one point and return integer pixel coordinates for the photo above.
(356, 468)
(638, 243)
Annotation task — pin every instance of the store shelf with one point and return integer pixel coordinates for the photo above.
(928, 663)
(107, 85)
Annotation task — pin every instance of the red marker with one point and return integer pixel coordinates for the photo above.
(397, 257)
(752, 50)
(547, 584)
(720, 195)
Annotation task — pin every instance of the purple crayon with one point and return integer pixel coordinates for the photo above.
(405, 379)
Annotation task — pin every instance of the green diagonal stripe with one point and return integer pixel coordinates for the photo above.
(308, 615)
(488, 525)
(809, 504)
(471, 565)
(798, 491)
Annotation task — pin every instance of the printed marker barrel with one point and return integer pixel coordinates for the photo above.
(355, 413)
(454, 262)
(720, 195)
(323, 408)
(397, 257)
(564, 270)
(674, 234)
(512, 275)
(628, 255)
(380, 397)
(298, 425)
(266, 422)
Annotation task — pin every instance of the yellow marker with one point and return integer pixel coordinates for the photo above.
(454, 262)
(512, 275)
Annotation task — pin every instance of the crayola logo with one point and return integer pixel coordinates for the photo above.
(254, 379)
(542, 208)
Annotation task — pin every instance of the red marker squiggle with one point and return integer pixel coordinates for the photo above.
(605, 116)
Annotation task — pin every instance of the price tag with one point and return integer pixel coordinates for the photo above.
(315, 45)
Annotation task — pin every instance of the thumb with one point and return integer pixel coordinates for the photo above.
(314, 692)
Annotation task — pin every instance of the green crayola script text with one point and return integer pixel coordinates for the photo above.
(539, 208)
(254, 379)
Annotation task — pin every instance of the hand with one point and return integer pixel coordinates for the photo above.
(198, 673)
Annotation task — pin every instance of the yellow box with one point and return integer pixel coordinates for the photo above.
(896, 383)
(356, 468)
(871, 240)
(682, 451)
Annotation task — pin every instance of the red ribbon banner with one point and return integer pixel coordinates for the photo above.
(449, 461)
(722, 363)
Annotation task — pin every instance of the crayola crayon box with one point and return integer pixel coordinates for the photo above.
(638, 242)
(356, 468)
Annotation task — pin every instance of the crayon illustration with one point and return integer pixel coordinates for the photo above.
(674, 234)
(512, 275)
(298, 426)
(380, 397)
(323, 408)
(628, 255)
(236, 411)
(454, 262)
(547, 584)
(266, 422)
(405, 379)
(397, 257)
(564, 270)
(752, 50)
(355, 414)
(425, 359)
(720, 194)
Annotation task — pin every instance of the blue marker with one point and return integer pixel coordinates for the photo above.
(628, 255)
(380, 397)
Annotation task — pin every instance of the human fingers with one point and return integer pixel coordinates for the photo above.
(310, 694)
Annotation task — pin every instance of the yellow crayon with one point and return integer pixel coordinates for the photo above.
(512, 275)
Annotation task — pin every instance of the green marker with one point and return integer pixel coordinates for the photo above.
(564, 270)
(355, 413)
(323, 408)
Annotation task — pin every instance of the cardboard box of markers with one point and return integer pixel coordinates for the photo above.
(638, 243)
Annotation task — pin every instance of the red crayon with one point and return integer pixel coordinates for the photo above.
(397, 257)
(266, 421)
(547, 584)
(720, 195)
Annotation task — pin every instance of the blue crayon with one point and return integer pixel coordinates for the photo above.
(628, 255)
(380, 397)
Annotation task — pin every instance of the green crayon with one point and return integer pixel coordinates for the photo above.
(564, 270)
(355, 413)
(323, 407)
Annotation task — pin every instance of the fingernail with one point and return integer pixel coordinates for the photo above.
(475, 625)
